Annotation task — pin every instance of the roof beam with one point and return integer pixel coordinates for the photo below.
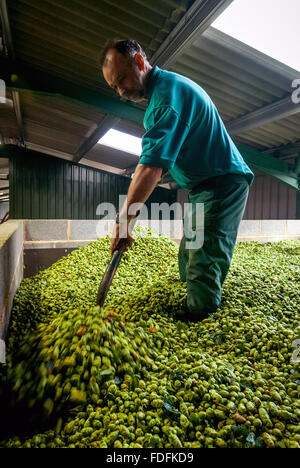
(18, 112)
(106, 124)
(7, 36)
(270, 166)
(9, 150)
(102, 167)
(265, 115)
(283, 152)
(296, 167)
(20, 77)
(69, 157)
(8, 42)
(196, 20)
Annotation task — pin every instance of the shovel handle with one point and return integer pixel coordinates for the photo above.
(110, 272)
(121, 246)
(111, 269)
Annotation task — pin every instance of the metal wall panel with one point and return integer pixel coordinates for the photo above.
(270, 199)
(44, 187)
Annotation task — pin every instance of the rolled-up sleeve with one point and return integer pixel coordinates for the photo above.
(165, 134)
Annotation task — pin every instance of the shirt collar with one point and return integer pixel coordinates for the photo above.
(151, 81)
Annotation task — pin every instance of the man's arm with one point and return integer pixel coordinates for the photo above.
(143, 183)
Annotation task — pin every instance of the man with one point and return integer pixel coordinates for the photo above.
(186, 136)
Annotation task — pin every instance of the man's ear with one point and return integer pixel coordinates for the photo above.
(139, 60)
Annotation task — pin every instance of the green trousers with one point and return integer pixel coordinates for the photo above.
(204, 266)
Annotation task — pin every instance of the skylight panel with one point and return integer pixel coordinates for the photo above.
(269, 26)
(122, 141)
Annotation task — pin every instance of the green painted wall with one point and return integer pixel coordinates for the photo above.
(45, 187)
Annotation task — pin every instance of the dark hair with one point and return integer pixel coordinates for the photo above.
(126, 47)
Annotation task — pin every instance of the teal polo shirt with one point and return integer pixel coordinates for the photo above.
(185, 134)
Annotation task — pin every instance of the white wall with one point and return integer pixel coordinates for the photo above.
(11, 268)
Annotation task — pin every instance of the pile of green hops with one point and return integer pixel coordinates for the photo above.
(65, 363)
(135, 374)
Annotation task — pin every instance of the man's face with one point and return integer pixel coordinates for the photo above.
(127, 79)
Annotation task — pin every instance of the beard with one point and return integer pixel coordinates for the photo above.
(134, 95)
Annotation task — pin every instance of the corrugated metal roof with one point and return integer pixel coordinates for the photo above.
(240, 80)
(56, 124)
(275, 134)
(110, 157)
(66, 38)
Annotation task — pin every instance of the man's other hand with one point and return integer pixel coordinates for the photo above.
(121, 231)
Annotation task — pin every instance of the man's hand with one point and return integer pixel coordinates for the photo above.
(120, 232)
(142, 185)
